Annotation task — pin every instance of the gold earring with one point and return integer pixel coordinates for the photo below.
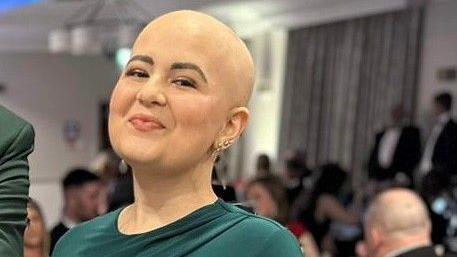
(221, 146)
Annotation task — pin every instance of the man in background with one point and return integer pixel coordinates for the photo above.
(441, 147)
(396, 152)
(81, 201)
(398, 225)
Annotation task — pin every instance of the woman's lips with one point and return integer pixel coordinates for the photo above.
(145, 123)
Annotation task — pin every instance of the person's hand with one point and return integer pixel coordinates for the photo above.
(361, 249)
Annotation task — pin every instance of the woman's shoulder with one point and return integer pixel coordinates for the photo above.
(272, 239)
(251, 221)
(251, 224)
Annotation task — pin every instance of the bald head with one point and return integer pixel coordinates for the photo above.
(230, 68)
(398, 211)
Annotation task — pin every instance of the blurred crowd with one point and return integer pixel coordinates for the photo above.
(406, 207)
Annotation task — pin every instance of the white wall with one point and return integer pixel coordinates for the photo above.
(47, 90)
(439, 50)
(262, 135)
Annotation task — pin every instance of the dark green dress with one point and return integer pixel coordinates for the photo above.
(16, 143)
(219, 230)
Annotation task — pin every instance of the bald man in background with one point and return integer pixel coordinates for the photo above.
(398, 225)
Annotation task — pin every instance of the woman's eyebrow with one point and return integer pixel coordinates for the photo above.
(188, 65)
(143, 58)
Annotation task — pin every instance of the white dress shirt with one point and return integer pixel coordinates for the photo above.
(387, 146)
(426, 162)
(67, 222)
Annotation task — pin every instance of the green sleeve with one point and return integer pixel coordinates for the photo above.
(16, 143)
(280, 244)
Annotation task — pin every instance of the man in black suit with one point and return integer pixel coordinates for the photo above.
(441, 147)
(396, 152)
(398, 225)
(81, 195)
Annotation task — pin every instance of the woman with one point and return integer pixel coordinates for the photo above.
(323, 206)
(36, 238)
(179, 103)
(269, 198)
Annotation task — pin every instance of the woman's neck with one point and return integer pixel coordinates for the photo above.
(161, 199)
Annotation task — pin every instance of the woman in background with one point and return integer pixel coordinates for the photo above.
(269, 198)
(323, 206)
(36, 238)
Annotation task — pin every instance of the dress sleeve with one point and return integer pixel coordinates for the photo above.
(15, 146)
(280, 244)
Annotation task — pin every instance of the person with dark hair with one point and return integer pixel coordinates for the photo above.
(441, 147)
(263, 166)
(268, 196)
(81, 190)
(296, 173)
(16, 143)
(322, 207)
(396, 152)
(437, 192)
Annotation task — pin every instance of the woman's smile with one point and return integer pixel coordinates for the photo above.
(143, 122)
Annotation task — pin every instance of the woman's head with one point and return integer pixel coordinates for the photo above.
(36, 241)
(331, 179)
(269, 198)
(263, 165)
(182, 94)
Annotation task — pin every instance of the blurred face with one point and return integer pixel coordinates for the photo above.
(34, 234)
(87, 200)
(170, 102)
(437, 109)
(264, 204)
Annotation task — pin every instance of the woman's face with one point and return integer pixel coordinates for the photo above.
(264, 205)
(34, 234)
(169, 104)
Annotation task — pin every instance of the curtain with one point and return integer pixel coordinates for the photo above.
(342, 80)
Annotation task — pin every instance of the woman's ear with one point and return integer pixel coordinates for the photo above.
(236, 123)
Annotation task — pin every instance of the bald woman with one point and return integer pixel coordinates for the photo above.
(180, 102)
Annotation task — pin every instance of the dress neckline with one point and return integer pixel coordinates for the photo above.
(215, 207)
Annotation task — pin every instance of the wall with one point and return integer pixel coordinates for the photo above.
(439, 50)
(47, 90)
(262, 134)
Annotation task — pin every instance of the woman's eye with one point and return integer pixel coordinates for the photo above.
(184, 83)
(136, 73)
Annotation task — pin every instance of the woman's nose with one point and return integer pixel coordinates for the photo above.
(152, 94)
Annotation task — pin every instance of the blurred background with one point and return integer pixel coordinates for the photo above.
(329, 73)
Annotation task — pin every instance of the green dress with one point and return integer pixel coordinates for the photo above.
(218, 229)
(16, 143)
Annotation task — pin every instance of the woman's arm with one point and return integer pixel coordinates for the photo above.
(308, 245)
(329, 207)
(16, 143)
